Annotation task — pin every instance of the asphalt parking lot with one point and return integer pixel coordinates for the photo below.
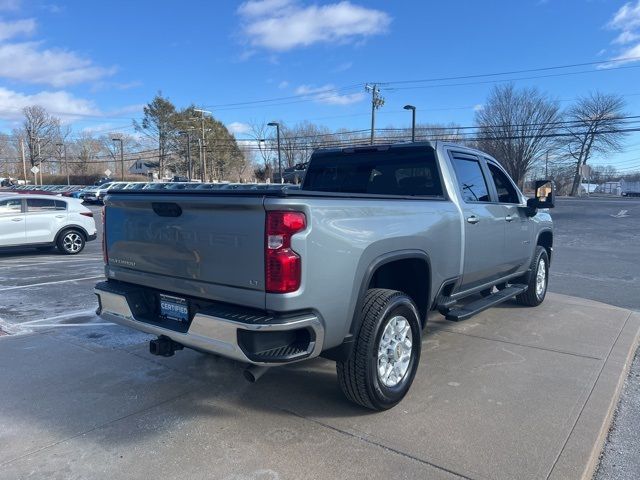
(176, 412)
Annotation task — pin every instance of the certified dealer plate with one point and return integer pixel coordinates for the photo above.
(174, 308)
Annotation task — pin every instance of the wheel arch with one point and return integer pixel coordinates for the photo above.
(545, 240)
(390, 271)
(84, 233)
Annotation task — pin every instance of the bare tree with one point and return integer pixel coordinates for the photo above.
(85, 151)
(40, 132)
(516, 127)
(594, 125)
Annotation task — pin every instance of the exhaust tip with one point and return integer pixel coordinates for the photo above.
(253, 372)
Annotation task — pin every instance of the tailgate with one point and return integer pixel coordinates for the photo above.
(213, 239)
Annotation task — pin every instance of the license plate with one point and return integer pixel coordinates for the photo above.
(174, 308)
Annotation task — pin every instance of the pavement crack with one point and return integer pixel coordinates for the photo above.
(546, 349)
(376, 444)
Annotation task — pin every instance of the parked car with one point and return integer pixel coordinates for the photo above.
(348, 266)
(45, 222)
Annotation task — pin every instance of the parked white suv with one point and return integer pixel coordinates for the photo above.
(45, 221)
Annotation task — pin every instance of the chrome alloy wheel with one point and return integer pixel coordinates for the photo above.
(394, 351)
(541, 278)
(72, 242)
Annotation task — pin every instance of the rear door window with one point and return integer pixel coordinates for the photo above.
(407, 173)
(507, 193)
(40, 205)
(471, 181)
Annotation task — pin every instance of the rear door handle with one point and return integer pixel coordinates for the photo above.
(508, 218)
(60, 216)
(473, 219)
(18, 219)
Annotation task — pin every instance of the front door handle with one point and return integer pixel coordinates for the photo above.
(508, 218)
(473, 219)
(60, 216)
(18, 219)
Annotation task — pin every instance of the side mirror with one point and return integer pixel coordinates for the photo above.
(544, 195)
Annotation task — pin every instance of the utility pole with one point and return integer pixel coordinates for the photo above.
(24, 161)
(188, 135)
(277, 125)
(66, 164)
(39, 160)
(121, 156)
(546, 165)
(202, 178)
(204, 143)
(377, 101)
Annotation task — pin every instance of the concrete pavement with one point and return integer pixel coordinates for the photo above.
(512, 393)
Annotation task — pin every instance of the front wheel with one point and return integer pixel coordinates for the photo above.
(537, 280)
(381, 368)
(71, 242)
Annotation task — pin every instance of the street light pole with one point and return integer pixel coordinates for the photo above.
(121, 156)
(66, 164)
(277, 125)
(413, 121)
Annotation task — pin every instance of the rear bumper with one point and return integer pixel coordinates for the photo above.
(92, 237)
(228, 332)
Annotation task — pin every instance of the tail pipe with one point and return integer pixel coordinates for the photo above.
(253, 372)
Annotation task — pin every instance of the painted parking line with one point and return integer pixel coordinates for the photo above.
(75, 314)
(4, 264)
(20, 287)
(56, 325)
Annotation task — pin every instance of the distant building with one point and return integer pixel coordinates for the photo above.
(613, 188)
(146, 168)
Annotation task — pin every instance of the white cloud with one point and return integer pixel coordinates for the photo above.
(59, 103)
(627, 17)
(328, 95)
(627, 21)
(626, 37)
(283, 84)
(9, 4)
(478, 107)
(28, 62)
(19, 27)
(257, 8)
(282, 25)
(238, 128)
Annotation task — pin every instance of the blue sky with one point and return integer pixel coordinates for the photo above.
(95, 63)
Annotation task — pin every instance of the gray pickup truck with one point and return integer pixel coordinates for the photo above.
(347, 267)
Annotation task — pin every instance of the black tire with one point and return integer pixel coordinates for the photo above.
(71, 242)
(532, 297)
(358, 376)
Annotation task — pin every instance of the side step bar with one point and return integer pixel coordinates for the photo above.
(469, 310)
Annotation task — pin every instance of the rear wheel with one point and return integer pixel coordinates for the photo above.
(71, 242)
(381, 368)
(537, 280)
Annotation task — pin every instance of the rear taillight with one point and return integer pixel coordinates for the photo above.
(282, 264)
(105, 255)
(87, 214)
